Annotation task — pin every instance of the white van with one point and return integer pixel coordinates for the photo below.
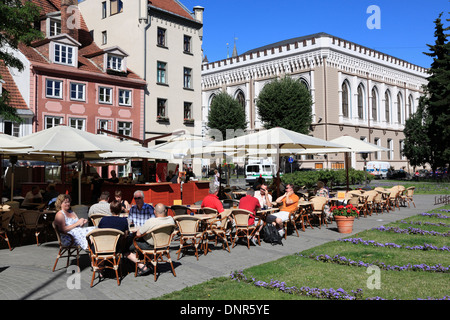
(378, 168)
(255, 170)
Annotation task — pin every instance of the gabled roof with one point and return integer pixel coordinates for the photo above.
(87, 47)
(172, 6)
(15, 97)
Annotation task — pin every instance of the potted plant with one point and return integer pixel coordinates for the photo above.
(344, 217)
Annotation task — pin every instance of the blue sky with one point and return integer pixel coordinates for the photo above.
(405, 26)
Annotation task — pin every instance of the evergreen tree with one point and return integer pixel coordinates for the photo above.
(226, 113)
(285, 103)
(17, 18)
(427, 132)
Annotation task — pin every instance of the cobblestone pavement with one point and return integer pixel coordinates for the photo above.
(26, 271)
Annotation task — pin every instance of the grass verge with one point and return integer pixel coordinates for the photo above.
(414, 252)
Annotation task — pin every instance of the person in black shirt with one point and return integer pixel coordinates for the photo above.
(115, 221)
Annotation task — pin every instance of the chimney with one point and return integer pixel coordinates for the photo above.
(198, 13)
(70, 18)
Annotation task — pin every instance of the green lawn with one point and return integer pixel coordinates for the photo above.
(306, 273)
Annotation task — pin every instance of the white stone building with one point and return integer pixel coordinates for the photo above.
(356, 91)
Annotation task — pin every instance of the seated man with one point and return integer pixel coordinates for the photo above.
(102, 206)
(289, 202)
(250, 203)
(264, 197)
(32, 198)
(146, 243)
(212, 200)
(141, 211)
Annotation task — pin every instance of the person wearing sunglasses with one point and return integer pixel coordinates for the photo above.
(141, 211)
(289, 202)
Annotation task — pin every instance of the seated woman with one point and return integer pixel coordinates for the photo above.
(321, 190)
(125, 206)
(114, 221)
(68, 222)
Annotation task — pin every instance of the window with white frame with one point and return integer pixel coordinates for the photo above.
(104, 37)
(63, 54)
(377, 155)
(116, 6)
(124, 97)
(187, 44)
(53, 88)
(54, 27)
(52, 121)
(124, 128)
(188, 111)
(161, 108)
(105, 95)
(11, 128)
(187, 75)
(161, 37)
(161, 72)
(103, 9)
(78, 123)
(104, 124)
(77, 91)
(115, 62)
(390, 151)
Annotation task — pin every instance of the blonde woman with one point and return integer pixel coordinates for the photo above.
(68, 222)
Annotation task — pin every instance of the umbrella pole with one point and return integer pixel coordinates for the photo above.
(80, 172)
(346, 168)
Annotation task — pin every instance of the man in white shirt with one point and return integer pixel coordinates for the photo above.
(32, 198)
(103, 206)
(263, 196)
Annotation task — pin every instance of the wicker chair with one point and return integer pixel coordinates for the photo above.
(220, 228)
(318, 209)
(408, 197)
(240, 217)
(31, 220)
(66, 249)
(162, 237)
(103, 250)
(370, 202)
(188, 228)
(298, 215)
(179, 210)
(6, 220)
(96, 217)
(207, 210)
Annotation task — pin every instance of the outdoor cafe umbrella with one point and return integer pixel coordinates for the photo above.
(351, 145)
(276, 138)
(72, 143)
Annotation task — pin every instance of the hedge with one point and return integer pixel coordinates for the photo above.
(331, 177)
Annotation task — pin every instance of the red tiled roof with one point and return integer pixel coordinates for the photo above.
(15, 97)
(88, 46)
(171, 6)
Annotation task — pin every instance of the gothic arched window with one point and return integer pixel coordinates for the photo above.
(360, 102)
(374, 104)
(345, 99)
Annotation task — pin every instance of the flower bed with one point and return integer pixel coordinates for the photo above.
(424, 247)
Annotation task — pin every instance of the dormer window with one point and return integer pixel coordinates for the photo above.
(64, 50)
(54, 27)
(115, 63)
(63, 54)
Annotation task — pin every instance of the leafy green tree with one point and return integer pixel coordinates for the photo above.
(226, 113)
(285, 103)
(417, 145)
(16, 26)
(427, 132)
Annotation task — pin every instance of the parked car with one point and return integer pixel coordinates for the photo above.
(398, 174)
